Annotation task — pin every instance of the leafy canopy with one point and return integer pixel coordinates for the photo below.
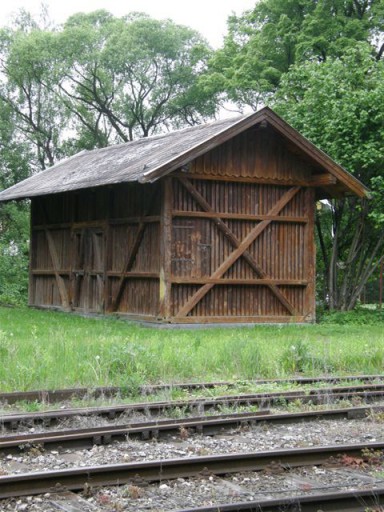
(262, 44)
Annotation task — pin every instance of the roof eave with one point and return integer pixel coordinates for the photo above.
(351, 184)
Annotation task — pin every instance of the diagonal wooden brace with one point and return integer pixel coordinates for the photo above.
(241, 249)
(133, 253)
(222, 226)
(55, 263)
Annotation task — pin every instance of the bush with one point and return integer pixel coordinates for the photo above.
(359, 316)
(14, 234)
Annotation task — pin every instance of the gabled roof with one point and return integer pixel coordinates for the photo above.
(148, 159)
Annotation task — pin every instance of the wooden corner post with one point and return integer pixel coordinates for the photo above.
(165, 249)
(32, 249)
(310, 300)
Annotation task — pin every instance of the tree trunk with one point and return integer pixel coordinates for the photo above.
(351, 252)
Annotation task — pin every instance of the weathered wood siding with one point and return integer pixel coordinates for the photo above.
(228, 239)
(97, 251)
(259, 153)
(271, 275)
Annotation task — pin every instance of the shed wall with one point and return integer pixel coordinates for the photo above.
(241, 252)
(259, 153)
(230, 240)
(86, 246)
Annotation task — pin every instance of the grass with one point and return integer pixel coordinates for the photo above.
(45, 349)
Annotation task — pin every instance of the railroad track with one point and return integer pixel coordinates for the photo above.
(86, 438)
(61, 395)
(94, 477)
(78, 479)
(315, 396)
(345, 501)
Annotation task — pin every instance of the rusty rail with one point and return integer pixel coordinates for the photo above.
(262, 400)
(60, 395)
(86, 438)
(167, 469)
(354, 500)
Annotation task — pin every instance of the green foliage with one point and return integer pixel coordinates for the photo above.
(347, 122)
(263, 44)
(14, 155)
(27, 63)
(131, 76)
(377, 198)
(359, 316)
(352, 130)
(296, 358)
(14, 233)
(99, 79)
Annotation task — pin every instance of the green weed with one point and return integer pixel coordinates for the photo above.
(45, 349)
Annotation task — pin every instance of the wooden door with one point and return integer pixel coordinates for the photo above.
(88, 271)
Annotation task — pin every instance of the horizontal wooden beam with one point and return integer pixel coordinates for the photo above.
(246, 282)
(78, 273)
(73, 225)
(97, 223)
(135, 220)
(320, 180)
(49, 272)
(110, 273)
(60, 225)
(243, 179)
(137, 317)
(239, 216)
(237, 319)
(135, 275)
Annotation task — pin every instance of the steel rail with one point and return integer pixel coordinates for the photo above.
(60, 395)
(86, 438)
(351, 500)
(167, 469)
(262, 400)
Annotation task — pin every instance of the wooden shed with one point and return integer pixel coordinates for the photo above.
(213, 223)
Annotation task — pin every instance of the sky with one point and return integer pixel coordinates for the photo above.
(209, 17)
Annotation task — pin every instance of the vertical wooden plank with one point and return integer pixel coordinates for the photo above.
(55, 259)
(165, 249)
(72, 250)
(310, 257)
(32, 249)
(56, 266)
(108, 251)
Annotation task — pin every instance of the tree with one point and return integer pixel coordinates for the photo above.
(14, 218)
(26, 64)
(262, 44)
(95, 81)
(132, 76)
(319, 64)
(99, 80)
(347, 122)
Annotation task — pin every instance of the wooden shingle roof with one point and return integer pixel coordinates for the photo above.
(148, 159)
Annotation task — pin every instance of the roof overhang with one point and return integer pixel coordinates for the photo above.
(336, 180)
(156, 157)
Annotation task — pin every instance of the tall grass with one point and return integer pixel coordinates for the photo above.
(44, 349)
